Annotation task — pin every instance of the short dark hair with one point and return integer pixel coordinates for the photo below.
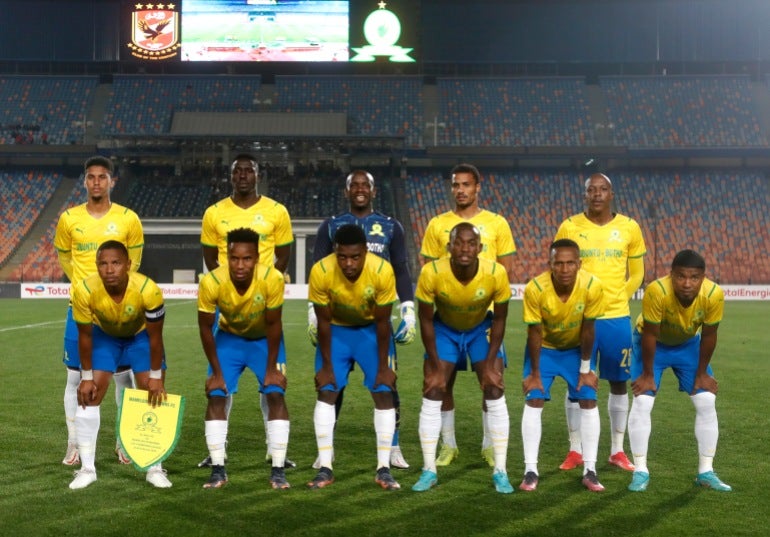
(112, 245)
(245, 156)
(688, 259)
(467, 168)
(350, 234)
(349, 178)
(464, 225)
(243, 234)
(98, 160)
(564, 243)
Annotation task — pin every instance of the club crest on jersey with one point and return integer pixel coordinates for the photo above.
(112, 229)
(377, 230)
(369, 292)
(615, 236)
(154, 31)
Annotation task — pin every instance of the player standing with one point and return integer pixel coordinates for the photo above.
(384, 237)
(79, 232)
(612, 248)
(498, 245)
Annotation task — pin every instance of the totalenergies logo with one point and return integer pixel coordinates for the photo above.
(37, 290)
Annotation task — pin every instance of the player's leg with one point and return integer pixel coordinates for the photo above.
(87, 422)
(449, 449)
(573, 415)
(71, 361)
(206, 462)
(384, 427)
(123, 378)
(397, 459)
(640, 416)
(614, 337)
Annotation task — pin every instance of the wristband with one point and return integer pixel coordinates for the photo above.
(156, 374)
(585, 366)
(87, 374)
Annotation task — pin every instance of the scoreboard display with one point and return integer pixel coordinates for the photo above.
(272, 31)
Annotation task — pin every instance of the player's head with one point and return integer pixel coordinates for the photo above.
(598, 194)
(464, 245)
(688, 269)
(466, 183)
(242, 255)
(359, 189)
(244, 172)
(350, 249)
(564, 261)
(113, 264)
(98, 177)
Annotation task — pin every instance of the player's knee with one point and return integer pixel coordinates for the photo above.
(493, 392)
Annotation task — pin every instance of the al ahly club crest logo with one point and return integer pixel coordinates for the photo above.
(154, 31)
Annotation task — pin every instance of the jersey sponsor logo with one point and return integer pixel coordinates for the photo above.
(86, 247)
(375, 247)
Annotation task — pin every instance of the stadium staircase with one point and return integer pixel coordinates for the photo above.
(761, 96)
(39, 228)
(96, 112)
(597, 107)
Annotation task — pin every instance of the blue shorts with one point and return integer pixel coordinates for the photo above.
(611, 355)
(71, 356)
(682, 359)
(237, 353)
(109, 351)
(558, 363)
(458, 346)
(351, 345)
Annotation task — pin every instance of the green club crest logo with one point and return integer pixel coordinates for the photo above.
(382, 28)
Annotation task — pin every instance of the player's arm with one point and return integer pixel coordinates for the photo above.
(274, 328)
(385, 374)
(646, 381)
(325, 374)
(533, 381)
(282, 254)
(507, 262)
(155, 385)
(65, 261)
(587, 376)
(63, 244)
(635, 275)
(206, 330)
(210, 257)
(708, 343)
(135, 243)
(87, 390)
(323, 242)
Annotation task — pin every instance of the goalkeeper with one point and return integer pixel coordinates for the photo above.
(385, 237)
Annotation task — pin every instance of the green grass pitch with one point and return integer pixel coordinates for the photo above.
(35, 499)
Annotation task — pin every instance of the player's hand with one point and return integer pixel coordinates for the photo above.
(643, 384)
(274, 377)
(324, 377)
(87, 391)
(406, 329)
(705, 382)
(156, 392)
(532, 382)
(434, 379)
(312, 325)
(588, 379)
(491, 376)
(385, 377)
(215, 382)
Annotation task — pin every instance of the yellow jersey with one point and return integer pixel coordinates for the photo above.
(142, 300)
(496, 237)
(78, 236)
(677, 323)
(267, 217)
(242, 315)
(562, 321)
(462, 306)
(604, 252)
(352, 303)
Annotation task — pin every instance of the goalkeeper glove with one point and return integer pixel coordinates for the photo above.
(312, 324)
(406, 330)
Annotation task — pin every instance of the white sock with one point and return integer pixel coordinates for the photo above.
(384, 426)
(572, 409)
(431, 426)
(590, 425)
(706, 429)
(639, 429)
(265, 408)
(323, 419)
(278, 434)
(216, 439)
(228, 406)
(71, 404)
(531, 432)
(448, 428)
(617, 406)
(123, 379)
(486, 441)
(87, 421)
(499, 430)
